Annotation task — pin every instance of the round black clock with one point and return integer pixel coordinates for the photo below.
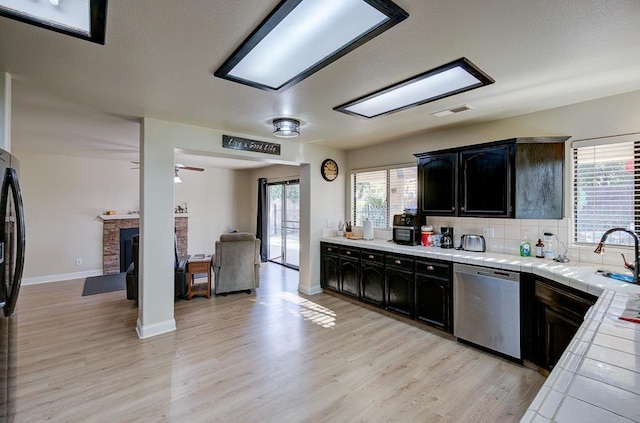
(329, 170)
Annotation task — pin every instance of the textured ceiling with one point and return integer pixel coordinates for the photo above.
(75, 97)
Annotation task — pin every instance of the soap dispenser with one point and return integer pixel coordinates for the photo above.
(525, 247)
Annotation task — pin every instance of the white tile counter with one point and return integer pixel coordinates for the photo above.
(597, 379)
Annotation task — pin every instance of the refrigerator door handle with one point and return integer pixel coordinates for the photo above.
(11, 187)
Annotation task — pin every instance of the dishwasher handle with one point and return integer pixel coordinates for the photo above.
(486, 272)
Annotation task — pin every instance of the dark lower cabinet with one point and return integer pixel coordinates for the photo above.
(560, 311)
(433, 297)
(416, 288)
(350, 271)
(399, 284)
(330, 266)
(372, 275)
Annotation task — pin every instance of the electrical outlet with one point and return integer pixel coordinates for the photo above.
(487, 232)
(78, 262)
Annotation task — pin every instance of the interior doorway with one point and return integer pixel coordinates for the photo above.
(284, 223)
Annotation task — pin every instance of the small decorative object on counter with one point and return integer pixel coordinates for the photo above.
(110, 213)
(548, 250)
(426, 232)
(347, 229)
(525, 247)
(539, 249)
(368, 230)
(340, 228)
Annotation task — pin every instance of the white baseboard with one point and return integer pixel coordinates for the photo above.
(155, 329)
(310, 291)
(61, 277)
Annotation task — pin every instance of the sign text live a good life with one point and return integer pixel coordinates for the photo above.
(250, 145)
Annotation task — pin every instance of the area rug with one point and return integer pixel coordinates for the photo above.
(104, 283)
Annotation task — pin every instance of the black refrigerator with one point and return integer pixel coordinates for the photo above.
(12, 247)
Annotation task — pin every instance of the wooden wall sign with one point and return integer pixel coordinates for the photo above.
(250, 145)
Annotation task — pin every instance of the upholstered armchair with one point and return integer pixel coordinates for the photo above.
(236, 264)
(179, 266)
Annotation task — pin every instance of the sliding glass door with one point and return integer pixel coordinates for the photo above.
(284, 223)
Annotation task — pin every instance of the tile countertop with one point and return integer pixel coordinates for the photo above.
(597, 379)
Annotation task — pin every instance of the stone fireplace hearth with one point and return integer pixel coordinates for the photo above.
(111, 226)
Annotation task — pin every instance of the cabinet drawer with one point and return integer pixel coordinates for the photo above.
(350, 252)
(432, 268)
(329, 248)
(372, 256)
(402, 262)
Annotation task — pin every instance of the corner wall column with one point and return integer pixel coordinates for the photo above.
(156, 277)
(5, 111)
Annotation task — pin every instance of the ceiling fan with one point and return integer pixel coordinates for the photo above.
(177, 167)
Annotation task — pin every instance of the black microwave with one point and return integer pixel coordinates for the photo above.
(406, 235)
(406, 229)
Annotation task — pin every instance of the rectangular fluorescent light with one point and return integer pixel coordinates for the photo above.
(453, 78)
(84, 19)
(300, 37)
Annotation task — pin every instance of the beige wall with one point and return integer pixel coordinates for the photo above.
(598, 118)
(64, 195)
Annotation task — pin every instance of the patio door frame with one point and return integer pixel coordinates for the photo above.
(282, 225)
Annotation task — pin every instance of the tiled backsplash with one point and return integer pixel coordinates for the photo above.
(508, 233)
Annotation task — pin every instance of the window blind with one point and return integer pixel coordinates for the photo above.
(379, 194)
(606, 190)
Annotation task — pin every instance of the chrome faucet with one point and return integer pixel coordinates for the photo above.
(636, 258)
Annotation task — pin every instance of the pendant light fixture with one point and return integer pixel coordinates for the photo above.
(286, 128)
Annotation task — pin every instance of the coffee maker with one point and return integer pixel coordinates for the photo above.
(447, 237)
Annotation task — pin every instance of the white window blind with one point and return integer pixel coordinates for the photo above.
(606, 188)
(379, 194)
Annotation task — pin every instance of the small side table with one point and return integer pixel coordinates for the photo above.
(195, 266)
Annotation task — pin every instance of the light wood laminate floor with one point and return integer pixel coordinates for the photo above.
(272, 356)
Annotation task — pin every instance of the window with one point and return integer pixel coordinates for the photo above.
(606, 189)
(379, 194)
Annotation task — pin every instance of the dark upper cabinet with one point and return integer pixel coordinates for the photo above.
(519, 178)
(438, 179)
(485, 188)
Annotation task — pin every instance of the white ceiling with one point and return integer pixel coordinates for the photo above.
(75, 97)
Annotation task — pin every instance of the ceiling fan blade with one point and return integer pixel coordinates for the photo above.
(180, 166)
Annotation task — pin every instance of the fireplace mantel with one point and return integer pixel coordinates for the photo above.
(111, 225)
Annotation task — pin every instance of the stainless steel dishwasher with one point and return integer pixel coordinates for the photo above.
(486, 308)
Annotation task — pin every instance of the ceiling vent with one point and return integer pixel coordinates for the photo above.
(452, 110)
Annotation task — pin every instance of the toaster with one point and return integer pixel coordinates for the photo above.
(472, 243)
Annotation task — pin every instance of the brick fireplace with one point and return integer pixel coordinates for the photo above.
(111, 226)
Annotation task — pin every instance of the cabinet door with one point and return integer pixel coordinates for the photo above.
(399, 291)
(486, 182)
(438, 182)
(432, 301)
(350, 277)
(373, 283)
(557, 332)
(330, 272)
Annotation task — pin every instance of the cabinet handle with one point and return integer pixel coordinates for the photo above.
(329, 249)
(398, 262)
(461, 208)
(348, 253)
(453, 209)
(371, 257)
(430, 267)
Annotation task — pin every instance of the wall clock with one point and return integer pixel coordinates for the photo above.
(329, 170)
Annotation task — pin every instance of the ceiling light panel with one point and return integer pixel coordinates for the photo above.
(453, 78)
(84, 19)
(302, 36)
